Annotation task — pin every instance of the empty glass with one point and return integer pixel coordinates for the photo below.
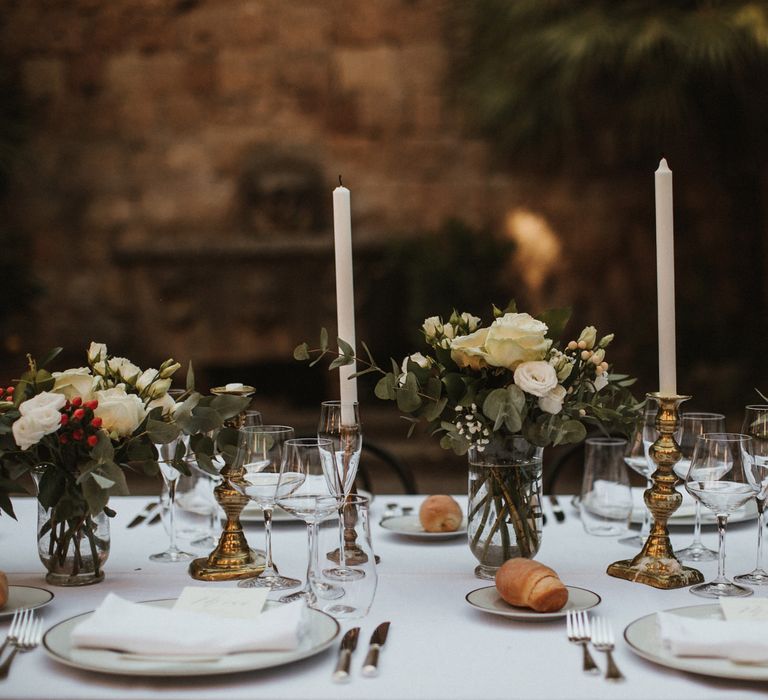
(606, 496)
(166, 456)
(638, 458)
(756, 426)
(691, 426)
(352, 597)
(721, 477)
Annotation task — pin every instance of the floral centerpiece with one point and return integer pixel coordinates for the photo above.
(78, 431)
(500, 393)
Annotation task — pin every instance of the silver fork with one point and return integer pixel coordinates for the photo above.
(577, 626)
(603, 640)
(13, 629)
(27, 637)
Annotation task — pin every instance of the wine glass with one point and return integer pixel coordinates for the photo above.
(305, 494)
(721, 477)
(638, 458)
(340, 423)
(756, 426)
(250, 418)
(691, 426)
(260, 452)
(166, 456)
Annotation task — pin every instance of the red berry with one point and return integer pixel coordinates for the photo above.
(79, 414)
(76, 401)
(10, 389)
(2, 391)
(64, 419)
(93, 405)
(78, 434)
(92, 440)
(63, 439)
(96, 422)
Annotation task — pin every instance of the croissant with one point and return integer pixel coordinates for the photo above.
(440, 514)
(529, 584)
(3, 589)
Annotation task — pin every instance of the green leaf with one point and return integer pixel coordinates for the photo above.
(345, 347)
(102, 481)
(104, 449)
(228, 405)
(556, 320)
(385, 387)
(323, 339)
(408, 399)
(95, 496)
(51, 488)
(190, 377)
(571, 431)
(301, 352)
(162, 433)
(50, 357)
(511, 307)
(455, 387)
(341, 361)
(434, 409)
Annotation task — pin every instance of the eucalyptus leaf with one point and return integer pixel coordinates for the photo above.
(190, 383)
(385, 387)
(162, 433)
(102, 481)
(346, 348)
(301, 352)
(408, 399)
(323, 339)
(229, 406)
(95, 496)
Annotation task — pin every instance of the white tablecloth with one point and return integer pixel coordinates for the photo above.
(438, 647)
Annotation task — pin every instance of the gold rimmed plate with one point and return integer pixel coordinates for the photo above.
(20, 597)
(410, 526)
(320, 630)
(488, 600)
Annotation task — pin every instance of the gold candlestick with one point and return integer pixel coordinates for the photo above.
(232, 558)
(656, 564)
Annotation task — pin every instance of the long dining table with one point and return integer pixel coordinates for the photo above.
(438, 647)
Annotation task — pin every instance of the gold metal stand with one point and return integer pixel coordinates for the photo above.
(656, 564)
(232, 558)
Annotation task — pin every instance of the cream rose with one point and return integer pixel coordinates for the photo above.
(516, 338)
(146, 378)
(44, 401)
(75, 382)
(124, 368)
(432, 326)
(416, 358)
(468, 350)
(165, 402)
(121, 413)
(588, 337)
(537, 378)
(552, 401)
(40, 416)
(96, 352)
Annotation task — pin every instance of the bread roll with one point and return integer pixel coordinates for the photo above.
(3, 589)
(529, 584)
(440, 514)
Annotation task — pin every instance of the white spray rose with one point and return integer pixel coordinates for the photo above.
(537, 377)
(159, 388)
(96, 352)
(472, 322)
(552, 401)
(75, 382)
(165, 402)
(40, 416)
(147, 377)
(432, 326)
(468, 350)
(515, 338)
(121, 413)
(124, 368)
(588, 336)
(418, 359)
(44, 401)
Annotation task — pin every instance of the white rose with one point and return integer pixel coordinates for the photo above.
(124, 368)
(588, 336)
(121, 413)
(159, 388)
(165, 402)
(44, 401)
(146, 378)
(537, 378)
(448, 331)
(432, 326)
(75, 382)
(601, 381)
(96, 352)
(515, 338)
(418, 359)
(27, 432)
(552, 401)
(468, 350)
(472, 322)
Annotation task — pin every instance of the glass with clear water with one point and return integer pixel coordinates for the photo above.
(606, 496)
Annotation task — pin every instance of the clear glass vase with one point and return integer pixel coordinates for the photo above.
(73, 550)
(504, 510)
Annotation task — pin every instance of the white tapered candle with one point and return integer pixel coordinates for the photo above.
(665, 279)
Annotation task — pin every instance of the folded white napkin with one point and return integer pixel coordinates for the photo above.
(741, 641)
(147, 629)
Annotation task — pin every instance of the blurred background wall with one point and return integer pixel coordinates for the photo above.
(167, 168)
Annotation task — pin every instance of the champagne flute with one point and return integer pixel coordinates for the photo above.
(260, 451)
(756, 426)
(693, 425)
(721, 477)
(340, 423)
(308, 498)
(166, 455)
(638, 458)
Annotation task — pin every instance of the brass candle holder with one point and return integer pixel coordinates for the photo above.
(232, 558)
(656, 564)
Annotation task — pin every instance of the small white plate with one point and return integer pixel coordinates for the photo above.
(320, 631)
(410, 526)
(644, 639)
(488, 600)
(25, 597)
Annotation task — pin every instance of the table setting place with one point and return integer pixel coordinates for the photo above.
(214, 587)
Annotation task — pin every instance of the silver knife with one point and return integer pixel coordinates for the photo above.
(348, 645)
(556, 509)
(371, 663)
(141, 517)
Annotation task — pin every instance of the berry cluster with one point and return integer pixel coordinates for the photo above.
(7, 393)
(78, 423)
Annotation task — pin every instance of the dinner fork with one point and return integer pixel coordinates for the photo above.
(603, 640)
(577, 627)
(12, 630)
(26, 637)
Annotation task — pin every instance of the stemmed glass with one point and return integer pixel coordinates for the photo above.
(306, 495)
(260, 451)
(166, 456)
(756, 426)
(638, 459)
(693, 425)
(340, 423)
(721, 477)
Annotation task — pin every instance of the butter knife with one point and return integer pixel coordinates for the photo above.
(556, 509)
(371, 663)
(348, 645)
(141, 517)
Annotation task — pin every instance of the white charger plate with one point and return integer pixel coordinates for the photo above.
(20, 597)
(488, 600)
(410, 526)
(320, 631)
(644, 639)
